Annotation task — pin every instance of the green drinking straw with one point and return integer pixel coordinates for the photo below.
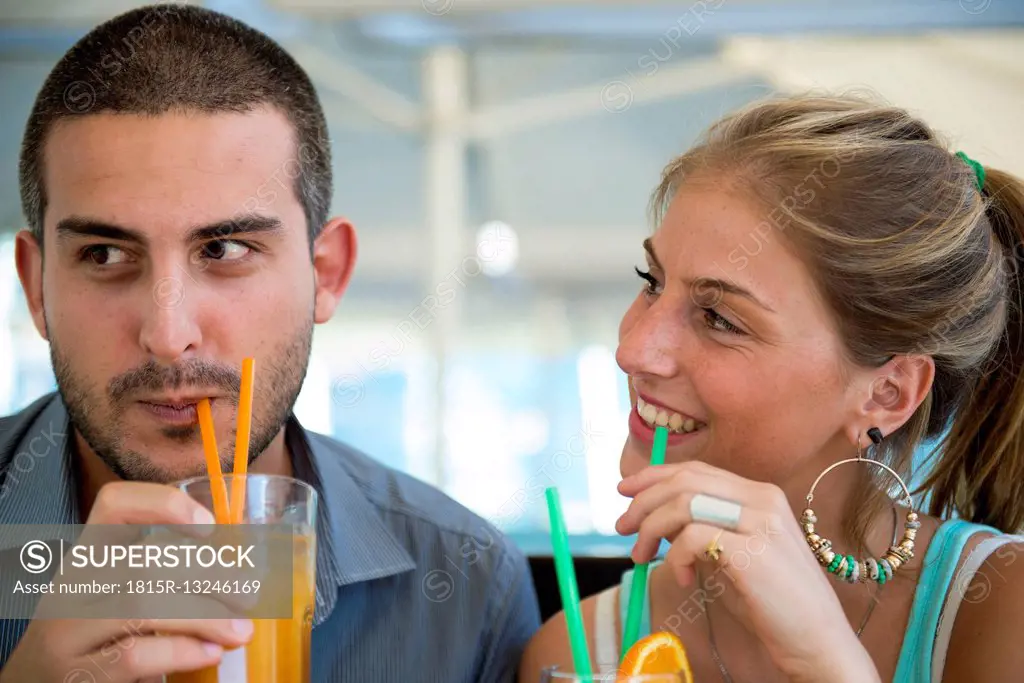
(567, 585)
(639, 587)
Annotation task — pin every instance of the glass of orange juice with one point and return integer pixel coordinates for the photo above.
(279, 650)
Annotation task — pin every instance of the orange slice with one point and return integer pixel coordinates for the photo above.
(659, 653)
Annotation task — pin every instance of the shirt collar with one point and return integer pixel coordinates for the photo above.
(38, 485)
(353, 542)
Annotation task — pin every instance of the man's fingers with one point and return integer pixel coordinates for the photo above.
(226, 632)
(135, 502)
(85, 635)
(147, 656)
(64, 638)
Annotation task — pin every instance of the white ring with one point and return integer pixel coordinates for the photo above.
(716, 511)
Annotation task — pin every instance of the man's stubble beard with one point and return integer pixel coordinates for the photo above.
(280, 378)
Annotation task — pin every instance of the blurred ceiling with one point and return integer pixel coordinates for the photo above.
(959, 64)
(426, 22)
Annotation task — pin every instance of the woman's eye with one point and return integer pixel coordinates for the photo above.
(104, 255)
(716, 322)
(653, 287)
(225, 250)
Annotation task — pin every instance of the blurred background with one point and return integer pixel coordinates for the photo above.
(496, 157)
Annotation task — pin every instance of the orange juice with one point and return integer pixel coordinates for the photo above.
(279, 650)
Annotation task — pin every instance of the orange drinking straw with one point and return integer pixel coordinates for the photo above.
(217, 488)
(242, 440)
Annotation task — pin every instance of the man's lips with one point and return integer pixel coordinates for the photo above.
(177, 400)
(176, 409)
(186, 414)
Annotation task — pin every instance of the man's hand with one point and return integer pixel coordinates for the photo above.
(123, 651)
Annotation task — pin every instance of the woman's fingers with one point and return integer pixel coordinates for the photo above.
(690, 546)
(646, 502)
(673, 518)
(678, 489)
(649, 476)
(645, 478)
(739, 551)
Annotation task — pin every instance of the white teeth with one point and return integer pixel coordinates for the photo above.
(654, 416)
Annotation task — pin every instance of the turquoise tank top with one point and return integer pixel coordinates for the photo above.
(939, 568)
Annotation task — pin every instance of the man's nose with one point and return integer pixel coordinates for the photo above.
(169, 328)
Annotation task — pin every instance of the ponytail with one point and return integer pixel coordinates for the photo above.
(979, 475)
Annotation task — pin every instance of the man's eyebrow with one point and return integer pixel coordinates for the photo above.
(80, 226)
(240, 225)
(710, 284)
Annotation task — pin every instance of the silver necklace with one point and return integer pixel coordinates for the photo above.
(711, 633)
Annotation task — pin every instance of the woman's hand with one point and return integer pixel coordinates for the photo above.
(783, 592)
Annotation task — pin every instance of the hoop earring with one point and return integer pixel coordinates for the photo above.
(846, 567)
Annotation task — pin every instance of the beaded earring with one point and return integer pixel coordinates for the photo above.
(846, 567)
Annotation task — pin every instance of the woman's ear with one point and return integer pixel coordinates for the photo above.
(892, 394)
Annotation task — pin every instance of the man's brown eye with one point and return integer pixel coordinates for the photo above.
(102, 255)
(214, 249)
(225, 250)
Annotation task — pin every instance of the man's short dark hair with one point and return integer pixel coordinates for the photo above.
(171, 57)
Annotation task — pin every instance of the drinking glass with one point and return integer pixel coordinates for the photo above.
(279, 650)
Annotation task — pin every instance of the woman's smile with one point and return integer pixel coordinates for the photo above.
(647, 414)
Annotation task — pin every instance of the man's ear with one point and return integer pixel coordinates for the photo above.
(892, 393)
(334, 261)
(28, 259)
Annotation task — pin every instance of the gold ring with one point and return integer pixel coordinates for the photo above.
(713, 550)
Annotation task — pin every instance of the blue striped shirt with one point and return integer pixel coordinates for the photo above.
(410, 585)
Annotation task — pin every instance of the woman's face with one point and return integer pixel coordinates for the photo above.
(730, 344)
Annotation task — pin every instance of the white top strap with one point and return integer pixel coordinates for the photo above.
(606, 637)
(957, 593)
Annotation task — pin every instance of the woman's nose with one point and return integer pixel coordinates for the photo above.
(650, 343)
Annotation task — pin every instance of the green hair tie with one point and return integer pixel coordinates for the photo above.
(979, 170)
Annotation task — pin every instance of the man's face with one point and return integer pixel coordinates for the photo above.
(160, 276)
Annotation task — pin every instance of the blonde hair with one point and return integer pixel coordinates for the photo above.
(912, 259)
